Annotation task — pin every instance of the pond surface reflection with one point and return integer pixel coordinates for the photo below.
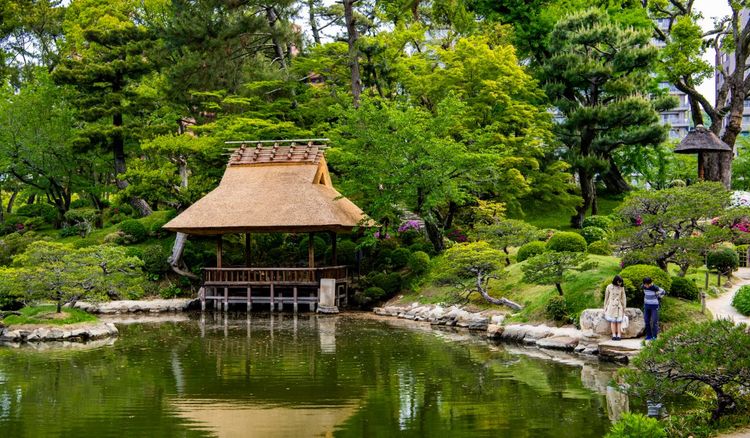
(307, 375)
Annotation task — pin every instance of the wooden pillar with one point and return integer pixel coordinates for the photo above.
(333, 249)
(219, 245)
(701, 167)
(311, 250)
(247, 250)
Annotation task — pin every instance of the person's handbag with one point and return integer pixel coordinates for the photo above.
(625, 322)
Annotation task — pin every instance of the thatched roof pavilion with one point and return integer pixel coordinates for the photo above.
(701, 141)
(278, 186)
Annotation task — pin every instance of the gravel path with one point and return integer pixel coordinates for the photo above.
(721, 306)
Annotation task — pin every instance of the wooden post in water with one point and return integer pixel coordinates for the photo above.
(219, 245)
(311, 250)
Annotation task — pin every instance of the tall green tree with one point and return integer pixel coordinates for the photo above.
(106, 55)
(682, 64)
(596, 77)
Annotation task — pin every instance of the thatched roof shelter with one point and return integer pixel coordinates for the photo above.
(278, 186)
(702, 141)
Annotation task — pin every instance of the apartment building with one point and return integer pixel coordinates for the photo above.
(678, 118)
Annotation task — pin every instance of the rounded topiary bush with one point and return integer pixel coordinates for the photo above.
(419, 262)
(600, 247)
(566, 241)
(529, 250)
(631, 258)
(741, 300)
(593, 234)
(390, 283)
(47, 212)
(368, 296)
(155, 259)
(635, 275)
(134, 231)
(636, 426)
(557, 308)
(400, 257)
(684, 288)
(724, 260)
(602, 222)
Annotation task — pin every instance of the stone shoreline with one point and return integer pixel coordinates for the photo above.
(492, 324)
(135, 306)
(77, 333)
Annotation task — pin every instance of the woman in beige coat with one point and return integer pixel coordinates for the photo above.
(614, 306)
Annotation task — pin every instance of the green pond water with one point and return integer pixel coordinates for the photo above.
(290, 376)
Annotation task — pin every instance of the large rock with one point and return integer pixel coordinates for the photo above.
(593, 319)
(619, 351)
(566, 343)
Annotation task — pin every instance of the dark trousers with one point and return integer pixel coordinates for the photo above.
(651, 315)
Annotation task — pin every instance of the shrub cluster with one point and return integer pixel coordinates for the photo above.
(741, 300)
(635, 275)
(602, 222)
(723, 260)
(529, 250)
(631, 258)
(593, 234)
(557, 308)
(133, 231)
(154, 259)
(47, 212)
(400, 257)
(566, 241)
(600, 247)
(684, 288)
(419, 262)
(636, 426)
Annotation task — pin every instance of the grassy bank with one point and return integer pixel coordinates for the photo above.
(46, 315)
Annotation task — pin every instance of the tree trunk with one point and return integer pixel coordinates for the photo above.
(558, 286)
(724, 402)
(498, 301)
(313, 21)
(586, 182)
(2, 216)
(507, 256)
(614, 180)
(118, 152)
(352, 37)
(278, 48)
(175, 260)
(435, 235)
(11, 200)
(59, 305)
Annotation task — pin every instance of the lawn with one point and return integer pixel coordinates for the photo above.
(559, 218)
(46, 315)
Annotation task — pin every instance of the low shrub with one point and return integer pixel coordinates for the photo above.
(48, 213)
(723, 260)
(34, 223)
(15, 243)
(684, 288)
(390, 283)
(422, 246)
(636, 426)
(631, 258)
(400, 258)
(602, 222)
(82, 219)
(593, 234)
(600, 247)
(134, 231)
(171, 291)
(529, 250)
(155, 259)
(346, 253)
(80, 203)
(635, 274)
(566, 241)
(69, 231)
(557, 308)
(419, 262)
(741, 300)
(369, 296)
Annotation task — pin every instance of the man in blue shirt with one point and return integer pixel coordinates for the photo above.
(651, 297)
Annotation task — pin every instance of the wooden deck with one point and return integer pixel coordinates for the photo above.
(273, 286)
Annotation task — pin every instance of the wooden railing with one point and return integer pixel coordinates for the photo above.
(240, 276)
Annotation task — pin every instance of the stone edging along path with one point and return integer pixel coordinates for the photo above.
(543, 336)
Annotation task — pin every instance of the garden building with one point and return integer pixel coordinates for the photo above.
(272, 187)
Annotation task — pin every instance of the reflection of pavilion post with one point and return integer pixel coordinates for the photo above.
(327, 334)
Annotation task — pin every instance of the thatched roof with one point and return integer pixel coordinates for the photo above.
(701, 140)
(272, 189)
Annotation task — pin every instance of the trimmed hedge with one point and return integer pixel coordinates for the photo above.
(593, 234)
(419, 262)
(400, 257)
(600, 247)
(47, 212)
(635, 274)
(741, 300)
(529, 250)
(134, 231)
(602, 222)
(155, 259)
(684, 288)
(631, 258)
(566, 241)
(723, 260)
